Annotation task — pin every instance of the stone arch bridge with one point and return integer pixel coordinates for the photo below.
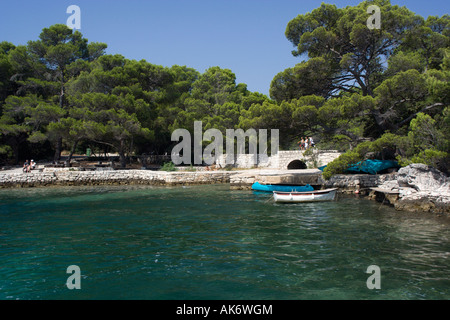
(284, 160)
(298, 160)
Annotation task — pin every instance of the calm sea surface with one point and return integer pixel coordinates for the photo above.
(210, 242)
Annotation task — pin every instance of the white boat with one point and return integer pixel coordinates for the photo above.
(308, 196)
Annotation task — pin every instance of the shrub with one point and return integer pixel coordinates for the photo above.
(341, 164)
(168, 166)
(435, 158)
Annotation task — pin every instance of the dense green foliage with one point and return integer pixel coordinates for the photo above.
(386, 91)
(168, 166)
(379, 93)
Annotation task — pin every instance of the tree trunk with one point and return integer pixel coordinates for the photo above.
(123, 158)
(61, 94)
(74, 146)
(58, 150)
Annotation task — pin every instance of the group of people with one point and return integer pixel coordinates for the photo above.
(29, 165)
(305, 143)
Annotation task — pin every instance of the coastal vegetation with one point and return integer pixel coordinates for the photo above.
(379, 93)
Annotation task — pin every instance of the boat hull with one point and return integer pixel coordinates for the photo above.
(313, 196)
(285, 188)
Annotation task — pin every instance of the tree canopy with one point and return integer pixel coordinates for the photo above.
(354, 89)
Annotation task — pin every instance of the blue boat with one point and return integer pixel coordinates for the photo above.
(277, 187)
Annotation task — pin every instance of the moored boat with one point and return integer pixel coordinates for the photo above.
(278, 187)
(309, 196)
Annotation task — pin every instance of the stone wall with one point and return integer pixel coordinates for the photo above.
(247, 161)
(317, 158)
(246, 178)
(326, 156)
(113, 177)
(243, 178)
(358, 182)
(346, 183)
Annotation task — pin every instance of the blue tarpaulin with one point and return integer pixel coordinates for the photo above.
(372, 166)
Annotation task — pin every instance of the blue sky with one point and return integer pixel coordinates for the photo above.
(246, 36)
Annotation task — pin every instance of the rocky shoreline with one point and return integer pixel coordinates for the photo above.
(416, 188)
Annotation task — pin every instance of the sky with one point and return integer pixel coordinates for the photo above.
(245, 36)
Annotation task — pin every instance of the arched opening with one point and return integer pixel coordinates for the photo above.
(296, 164)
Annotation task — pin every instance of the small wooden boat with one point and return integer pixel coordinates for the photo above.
(278, 187)
(309, 196)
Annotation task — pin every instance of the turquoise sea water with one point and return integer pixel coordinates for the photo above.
(210, 242)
